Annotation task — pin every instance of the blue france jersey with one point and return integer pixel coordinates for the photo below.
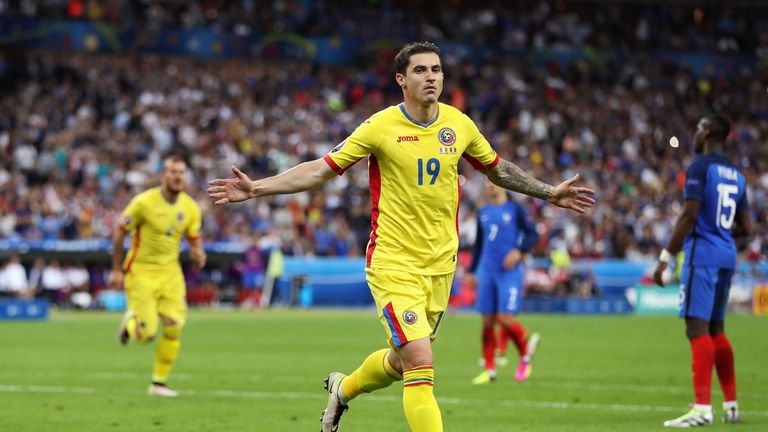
(721, 189)
(500, 229)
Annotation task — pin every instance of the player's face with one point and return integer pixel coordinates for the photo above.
(423, 79)
(495, 193)
(175, 176)
(700, 137)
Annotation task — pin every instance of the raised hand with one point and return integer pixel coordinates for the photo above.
(572, 197)
(225, 191)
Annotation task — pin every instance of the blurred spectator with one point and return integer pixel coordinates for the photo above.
(13, 280)
(78, 287)
(36, 276)
(54, 284)
(251, 273)
(343, 242)
(76, 277)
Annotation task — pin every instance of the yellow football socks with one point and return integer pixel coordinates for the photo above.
(166, 353)
(419, 402)
(375, 373)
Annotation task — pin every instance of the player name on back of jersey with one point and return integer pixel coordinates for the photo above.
(727, 172)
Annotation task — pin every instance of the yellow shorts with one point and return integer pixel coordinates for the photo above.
(153, 291)
(410, 306)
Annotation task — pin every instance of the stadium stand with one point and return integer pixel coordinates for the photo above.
(80, 133)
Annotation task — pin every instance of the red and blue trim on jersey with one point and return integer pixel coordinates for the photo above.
(136, 244)
(476, 164)
(458, 200)
(398, 336)
(418, 123)
(374, 174)
(339, 170)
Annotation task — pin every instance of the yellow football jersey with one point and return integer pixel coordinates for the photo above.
(413, 169)
(157, 227)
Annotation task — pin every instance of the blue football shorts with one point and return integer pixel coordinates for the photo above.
(499, 292)
(704, 292)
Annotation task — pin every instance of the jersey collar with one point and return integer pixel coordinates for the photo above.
(422, 124)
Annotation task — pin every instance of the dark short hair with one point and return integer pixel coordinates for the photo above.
(404, 56)
(719, 127)
(174, 158)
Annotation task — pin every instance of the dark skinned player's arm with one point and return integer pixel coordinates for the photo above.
(743, 226)
(685, 223)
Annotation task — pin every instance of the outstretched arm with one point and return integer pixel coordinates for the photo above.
(566, 195)
(305, 176)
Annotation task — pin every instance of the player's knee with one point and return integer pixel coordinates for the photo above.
(489, 321)
(172, 331)
(715, 328)
(145, 331)
(416, 359)
(695, 327)
(418, 365)
(168, 321)
(507, 319)
(144, 338)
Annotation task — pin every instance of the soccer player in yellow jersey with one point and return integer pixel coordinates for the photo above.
(154, 284)
(413, 152)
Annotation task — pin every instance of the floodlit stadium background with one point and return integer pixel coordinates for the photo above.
(94, 93)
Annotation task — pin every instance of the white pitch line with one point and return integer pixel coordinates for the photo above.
(130, 376)
(45, 389)
(13, 388)
(635, 388)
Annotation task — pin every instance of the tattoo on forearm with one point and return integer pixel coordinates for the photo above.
(512, 177)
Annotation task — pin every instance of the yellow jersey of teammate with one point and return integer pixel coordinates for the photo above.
(157, 227)
(414, 183)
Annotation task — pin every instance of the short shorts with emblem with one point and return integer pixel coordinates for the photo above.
(410, 306)
(156, 290)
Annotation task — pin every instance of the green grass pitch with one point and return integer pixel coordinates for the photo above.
(263, 371)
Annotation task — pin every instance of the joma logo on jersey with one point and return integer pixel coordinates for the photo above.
(406, 138)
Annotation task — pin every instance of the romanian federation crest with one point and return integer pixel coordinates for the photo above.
(410, 317)
(447, 136)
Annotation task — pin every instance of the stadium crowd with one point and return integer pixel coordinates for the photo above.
(81, 134)
(737, 27)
